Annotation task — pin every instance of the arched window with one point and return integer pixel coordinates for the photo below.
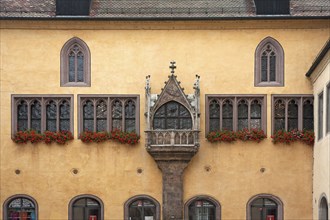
(142, 207)
(75, 63)
(20, 207)
(86, 207)
(323, 209)
(269, 63)
(202, 208)
(172, 115)
(264, 206)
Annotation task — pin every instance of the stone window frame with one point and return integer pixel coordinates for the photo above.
(320, 112)
(17, 196)
(277, 200)
(82, 196)
(235, 100)
(203, 197)
(323, 197)
(137, 197)
(16, 98)
(64, 82)
(299, 98)
(110, 98)
(328, 109)
(279, 68)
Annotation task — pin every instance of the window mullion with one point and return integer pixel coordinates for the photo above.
(58, 115)
(235, 113)
(29, 114)
(220, 112)
(108, 114)
(123, 115)
(95, 113)
(300, 113)
(43, 115)
(286, 114)
(249, 113)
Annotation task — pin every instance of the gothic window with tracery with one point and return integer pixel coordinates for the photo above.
(292, 112)
(42, 113)
(75, 63)
(107, 113)
(172, 115)
(269, 63)
(235, 112)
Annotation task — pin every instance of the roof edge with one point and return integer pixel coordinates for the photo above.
(319, 58)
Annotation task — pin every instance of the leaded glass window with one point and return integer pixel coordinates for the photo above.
(320, 117)
(86, 208)
(202, 209)
(172, 115)
(235, 112)
(41, 113)
(21, 208)
(51, 116)
(227, 115)
(107, 113)
(292, 112)
(88, 116)
(308, 115)
(142, 209)
(243, 115)
(36, 116)
(292, 115)
(269, 63)
(22, 116)
(214, 112)
(75, 63)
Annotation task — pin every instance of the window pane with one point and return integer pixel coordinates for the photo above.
(308, 122)
(185, 123)
(117, 115)
(101, 116)
(279, 115)
(65, 116)
(78, 213)
(255, 115)
(292, 116)
(130, 116)
(88, 116)
(36, 116)
(320, 119)
(227, 116)
(80, 67)
(20, 209)
(264, 65)
(272, 67)
(214, 114)
(172, 109)
(51, 114)
(242, 115)
(202, 210)
(22, 116)
(72, 67)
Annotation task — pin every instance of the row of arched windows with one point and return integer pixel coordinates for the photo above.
(90, 207)
(76, 62)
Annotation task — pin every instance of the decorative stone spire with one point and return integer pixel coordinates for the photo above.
(172, 67)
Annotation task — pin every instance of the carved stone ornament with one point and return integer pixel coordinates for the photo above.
(172, 136)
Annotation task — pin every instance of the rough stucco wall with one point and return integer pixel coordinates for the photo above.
(223, 56)
(321, 177)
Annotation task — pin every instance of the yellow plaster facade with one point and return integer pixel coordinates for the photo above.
(122, 54)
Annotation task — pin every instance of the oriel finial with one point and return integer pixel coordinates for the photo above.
(172, 67)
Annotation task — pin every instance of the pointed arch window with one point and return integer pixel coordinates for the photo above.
(20, 207)
(75, 63)
(42, 113)
(323, 209)
(269, 63)
(108, 112)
